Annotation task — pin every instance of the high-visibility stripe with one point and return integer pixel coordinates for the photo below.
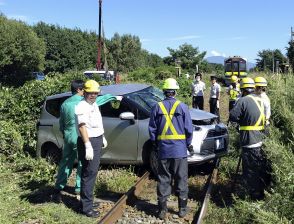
(259, 125)
(171, 137)
(169, 124)
(251, 128)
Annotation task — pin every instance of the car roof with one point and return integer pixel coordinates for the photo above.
(201, 115)
(122, 89)
(115, 89)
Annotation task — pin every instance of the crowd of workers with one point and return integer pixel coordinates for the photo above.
(171, 132)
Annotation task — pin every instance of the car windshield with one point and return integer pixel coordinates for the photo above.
(146, 98)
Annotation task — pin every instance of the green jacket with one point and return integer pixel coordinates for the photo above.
(67, 121)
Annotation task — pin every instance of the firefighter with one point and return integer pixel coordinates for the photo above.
(198, 88)
(260, 90)
(170, 129)
(215, 90)
(234, 92)
(249, 114)
(68, 129)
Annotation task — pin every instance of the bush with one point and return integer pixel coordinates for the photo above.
(11, 141)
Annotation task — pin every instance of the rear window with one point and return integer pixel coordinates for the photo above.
(53, 106)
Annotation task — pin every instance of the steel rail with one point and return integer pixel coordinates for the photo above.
(200, 214)
(128, 198)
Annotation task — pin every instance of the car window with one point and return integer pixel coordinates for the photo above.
(115, 108)
(53, 106)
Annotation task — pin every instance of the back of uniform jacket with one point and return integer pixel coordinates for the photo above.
(247, 113)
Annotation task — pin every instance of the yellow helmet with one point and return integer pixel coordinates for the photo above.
(170, 83)
(247, 83)
(234, 78)
(91, 86)
(260, 81)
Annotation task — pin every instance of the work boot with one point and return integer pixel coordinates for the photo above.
(56, 196)
(183, 208)
(162, 210)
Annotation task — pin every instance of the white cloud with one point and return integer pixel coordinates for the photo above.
(188, 37)
(145, 40)
(216, 53)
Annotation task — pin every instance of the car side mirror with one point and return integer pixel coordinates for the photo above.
(128, 116)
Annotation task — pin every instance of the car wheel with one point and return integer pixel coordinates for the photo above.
(153, 162)
(53, 154)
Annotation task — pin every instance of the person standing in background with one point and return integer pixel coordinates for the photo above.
(215, 90)
(198, 88)
(234, 92)
(260, 90)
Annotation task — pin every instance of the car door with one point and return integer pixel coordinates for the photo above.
(121, 135)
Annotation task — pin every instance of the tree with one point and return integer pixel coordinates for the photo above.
(67, 49)
(269, 57)
(187, 55)
(21, 52)
(125, 52)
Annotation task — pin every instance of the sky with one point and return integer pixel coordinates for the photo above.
(221, 28)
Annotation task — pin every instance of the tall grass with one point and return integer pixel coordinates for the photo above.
(278, 205)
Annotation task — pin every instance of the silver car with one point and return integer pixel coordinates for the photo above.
(126, 128)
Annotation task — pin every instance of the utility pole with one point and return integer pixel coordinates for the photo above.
(98, 64)
(273, 62)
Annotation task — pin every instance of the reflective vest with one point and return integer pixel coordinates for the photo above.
(234, 92)
(259, 125)
(169, 124)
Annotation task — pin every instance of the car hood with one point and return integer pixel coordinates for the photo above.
(199, 115)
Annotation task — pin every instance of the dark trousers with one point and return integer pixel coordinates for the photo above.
(198, 102)
(172, 170)
(213, 107)
(231, 104)
(89, 172)
(256, 170)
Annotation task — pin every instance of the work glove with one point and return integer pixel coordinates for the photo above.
(89, 151)
(104, 144)
(119, 98)
(190, 148)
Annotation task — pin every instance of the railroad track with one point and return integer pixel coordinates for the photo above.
(127, 199)
(201, 212)
(130, 197)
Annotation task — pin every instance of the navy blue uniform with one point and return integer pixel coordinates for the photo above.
(171, 128)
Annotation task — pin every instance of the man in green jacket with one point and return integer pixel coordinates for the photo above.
(67, 126)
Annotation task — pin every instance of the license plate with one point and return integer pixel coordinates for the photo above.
(219, 144)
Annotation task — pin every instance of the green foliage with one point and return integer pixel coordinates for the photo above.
(266, 57)
(125, 53)
(187, 56)
(67, 49)
(38, 171)
(11, 141)
(115, 181)
(22, 105)
(21, 52)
